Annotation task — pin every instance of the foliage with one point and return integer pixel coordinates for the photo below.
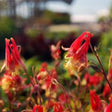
(104, 47)
(78, 83)
(106, 40)
(57, 18)
(7, 29)
(7, 26)
(36, 43)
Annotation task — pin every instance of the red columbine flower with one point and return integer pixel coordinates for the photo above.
(49, 105)
(12, 81)
(44, 65)
(110, 74)
(93, 80)
(106, 91)
(95, 102)
(49, 83)
(37, 108)
(109, 107)
(58, 107)
(12, 56)
(55, 51)
(64, 98)
(47, 80)
(77, 52)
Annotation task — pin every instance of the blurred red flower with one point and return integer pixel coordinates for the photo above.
(58, 107)
(55, 51)
(109, 107)
(64, 98)
(106, 91)
(110, 74)
(93, 80)
(37, 108)
(95, 102)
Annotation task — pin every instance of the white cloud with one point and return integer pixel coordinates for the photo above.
(83, 18)
(57, 6)
(103, 12)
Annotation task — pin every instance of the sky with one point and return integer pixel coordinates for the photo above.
(80, 6)
(79, 9)
(86, 10)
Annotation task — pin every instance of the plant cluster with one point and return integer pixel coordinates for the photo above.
(44, 91)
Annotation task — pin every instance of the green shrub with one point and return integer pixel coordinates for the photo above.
(7, 30)
(104, 46)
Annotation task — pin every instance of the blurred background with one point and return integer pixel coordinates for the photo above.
(36, 24)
